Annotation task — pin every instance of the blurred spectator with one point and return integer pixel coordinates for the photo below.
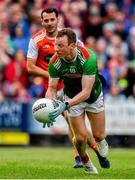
(100, 49)
(108, 31)
(102, 62)
(4, 58)
(100, 4)
(121, 26)
(93, 25)
(17, 17)
(37, 89)
(104, 71)
(65, 7)
(117, 65)
(132, 34)
(52, 3)
(90, 42)
(35, 17)
(111, 12)
(21, 94)
(76, 23)
(5, 51)
(2, 97)
(114, 94)
(117, 44)
(16, 69)
(10, 89)
(20, 41)
(26, 5)
(131, 52)
(4, 20)
(127, 7)
(131, 40)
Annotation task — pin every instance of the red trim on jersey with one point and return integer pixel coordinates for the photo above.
(54, 59)
(84, 52)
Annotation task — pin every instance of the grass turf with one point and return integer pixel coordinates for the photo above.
(56, 163)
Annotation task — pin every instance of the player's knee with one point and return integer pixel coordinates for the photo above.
(81, 137)
(99, 136)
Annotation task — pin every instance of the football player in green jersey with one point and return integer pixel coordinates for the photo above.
(77, 66)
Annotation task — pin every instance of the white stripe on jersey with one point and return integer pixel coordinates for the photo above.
(39, 37)
(82, 60)
(58, 64)
(32, 50)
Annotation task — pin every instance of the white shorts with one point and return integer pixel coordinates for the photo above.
(96, 107)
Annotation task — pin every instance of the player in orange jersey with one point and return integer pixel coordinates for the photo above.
(40, 50)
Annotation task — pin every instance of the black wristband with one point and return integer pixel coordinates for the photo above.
(67, 105)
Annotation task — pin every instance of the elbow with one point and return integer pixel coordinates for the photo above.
(29, 69)
(86, 95)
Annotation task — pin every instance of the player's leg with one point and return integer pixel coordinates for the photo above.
(78, 162)
(98, 129)
(97, 121)
(91, 141)
(93, 145)
(80, 141)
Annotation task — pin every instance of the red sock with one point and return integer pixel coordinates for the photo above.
(85, 159)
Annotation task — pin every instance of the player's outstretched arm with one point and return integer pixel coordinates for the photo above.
(52, 88)
(87, 84)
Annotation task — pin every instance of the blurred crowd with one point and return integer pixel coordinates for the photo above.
(106, 26)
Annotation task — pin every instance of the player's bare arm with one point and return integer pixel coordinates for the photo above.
(52, 88)
(33, 69)
(87, 84)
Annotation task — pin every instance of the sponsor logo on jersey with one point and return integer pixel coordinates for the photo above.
(46, 46)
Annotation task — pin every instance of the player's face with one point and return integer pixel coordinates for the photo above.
(62, 47)
(50, 22)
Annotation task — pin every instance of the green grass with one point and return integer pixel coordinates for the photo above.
(56, 163)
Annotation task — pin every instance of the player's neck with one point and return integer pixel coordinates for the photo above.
(51, 35)
(72, 56)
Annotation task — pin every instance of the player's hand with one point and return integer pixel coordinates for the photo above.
(49, 123)
(59, 110)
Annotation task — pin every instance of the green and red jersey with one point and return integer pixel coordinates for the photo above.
(84, 64)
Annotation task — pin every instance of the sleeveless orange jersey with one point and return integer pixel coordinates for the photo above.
(46, 50)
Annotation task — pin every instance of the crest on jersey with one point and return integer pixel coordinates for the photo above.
(72, 69)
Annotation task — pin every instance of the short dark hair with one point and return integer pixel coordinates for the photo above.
(49, 10)
(69, 33)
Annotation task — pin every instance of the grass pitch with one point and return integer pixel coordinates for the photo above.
(56, 163)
